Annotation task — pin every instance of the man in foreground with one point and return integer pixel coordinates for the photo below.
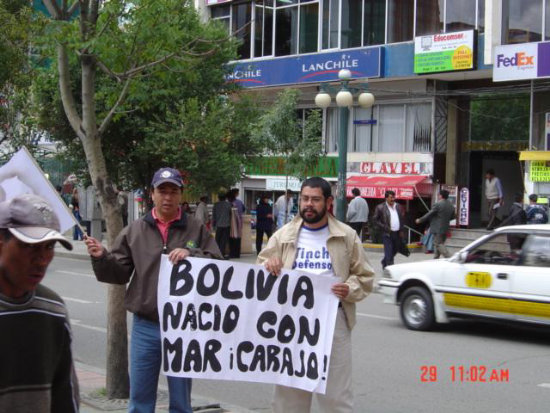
(135, 258)
(315, 233)
(439, 216)
(37, 373)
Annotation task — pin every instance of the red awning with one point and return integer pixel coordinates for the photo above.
(374, 186)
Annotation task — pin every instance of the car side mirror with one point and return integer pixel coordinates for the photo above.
(462, 256)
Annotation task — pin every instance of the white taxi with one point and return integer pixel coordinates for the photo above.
(502, 275)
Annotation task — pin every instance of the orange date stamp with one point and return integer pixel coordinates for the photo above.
(464, 374)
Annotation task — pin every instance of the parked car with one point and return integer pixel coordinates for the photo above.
(487, 278)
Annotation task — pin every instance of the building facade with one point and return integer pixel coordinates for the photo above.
(447, 107)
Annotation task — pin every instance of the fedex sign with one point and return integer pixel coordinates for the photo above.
(521, 61)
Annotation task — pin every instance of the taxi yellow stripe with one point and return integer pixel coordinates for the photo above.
(503, 305)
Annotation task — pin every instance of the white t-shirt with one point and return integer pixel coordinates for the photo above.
(311, 251)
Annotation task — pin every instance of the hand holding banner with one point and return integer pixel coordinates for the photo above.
(233, 321)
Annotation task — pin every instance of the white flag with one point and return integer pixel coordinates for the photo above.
(22, 175)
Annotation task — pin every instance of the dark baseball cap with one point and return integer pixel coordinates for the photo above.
(164, 175)
(32, 220)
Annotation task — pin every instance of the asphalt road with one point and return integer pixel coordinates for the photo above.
(466, 366)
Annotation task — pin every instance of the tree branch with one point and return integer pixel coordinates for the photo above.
(72, 9)
(52, 8)
(112, 112)
(67, 98)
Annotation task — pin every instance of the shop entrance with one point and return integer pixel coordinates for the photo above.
(507, 168)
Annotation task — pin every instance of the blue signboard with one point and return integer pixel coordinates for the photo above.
(314, 68)
(365, 122)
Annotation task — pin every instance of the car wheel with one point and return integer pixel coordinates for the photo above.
(417, 309)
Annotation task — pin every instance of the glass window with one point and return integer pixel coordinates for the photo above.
(521, 21)
(309, 27)
(374, 22)
(429, 17)
(400, 20)
(351, 23)
(263, 31)
(547, 21)
(331, 17)
(480, 16)
(391, 128)
(333, 125)
(223, 15)
(418, 133)
(242, 15)
(286, 31)
(362, 139)
(536, 251)
(495, 250)
(460, 15)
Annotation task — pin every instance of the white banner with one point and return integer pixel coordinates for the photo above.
(282, 184)
(22, 175)
(226, 320)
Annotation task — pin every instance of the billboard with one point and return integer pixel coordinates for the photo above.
(444, 52)
(521, 61)
(311, 68)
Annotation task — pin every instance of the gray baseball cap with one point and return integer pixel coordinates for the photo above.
(32, 220)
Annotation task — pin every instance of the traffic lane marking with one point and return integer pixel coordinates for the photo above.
(79, 274)
(78, 323)
(78, 300)
(380, 317)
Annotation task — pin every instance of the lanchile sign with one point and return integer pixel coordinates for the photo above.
(444, 52)
(521, 61)
(314, 68)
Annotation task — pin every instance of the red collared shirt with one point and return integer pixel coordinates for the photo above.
(163, 226)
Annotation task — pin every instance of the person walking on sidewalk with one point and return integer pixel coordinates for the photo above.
(264, 221)
(536, 213)
(358, 212)
(439, 216)
(135, 258)
(37, 373)
(494, 196)
(221, 221)
(315, 232)
(388, 217)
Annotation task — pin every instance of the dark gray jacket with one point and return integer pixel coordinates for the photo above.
(136, 255)
(441, 213)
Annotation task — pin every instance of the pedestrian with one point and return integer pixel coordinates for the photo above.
(388, 217)
(516, 216)
(135, 258)
(358, 212)
(283, 208)
(439, 216)
(122, 197)
(201, 212)
(494, 196)
(315, 232)
(236, 227)
(221, 221)
(185, 207)
(264, 221)
(75, 206)
(37, 366)
(536, 213)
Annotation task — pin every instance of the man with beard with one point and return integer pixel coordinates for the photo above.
(337, 250)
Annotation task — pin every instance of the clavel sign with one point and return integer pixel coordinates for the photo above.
(226, 320)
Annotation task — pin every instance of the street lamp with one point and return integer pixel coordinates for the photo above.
(344, 100)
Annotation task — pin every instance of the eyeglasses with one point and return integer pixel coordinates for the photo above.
(313, 199)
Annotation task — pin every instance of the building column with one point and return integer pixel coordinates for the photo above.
(451, 156)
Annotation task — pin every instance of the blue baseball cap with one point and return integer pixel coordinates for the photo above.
(167, 175)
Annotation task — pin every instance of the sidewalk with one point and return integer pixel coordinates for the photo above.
(92, 379)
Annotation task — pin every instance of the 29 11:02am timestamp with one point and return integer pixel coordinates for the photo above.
(465, 374)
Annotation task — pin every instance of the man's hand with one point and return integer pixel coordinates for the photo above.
(274, 265)
(417, 220)
(178, 254)
(340, 290)
(95, 249)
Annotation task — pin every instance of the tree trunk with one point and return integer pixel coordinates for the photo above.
(86, 129)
